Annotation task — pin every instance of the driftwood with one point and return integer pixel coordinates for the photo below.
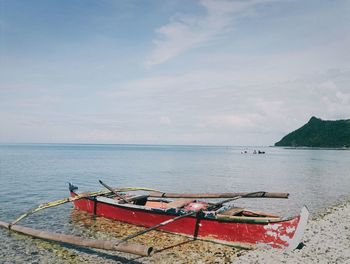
(115, 245)
(220, 195)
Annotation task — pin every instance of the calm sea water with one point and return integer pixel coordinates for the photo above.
(33, 174)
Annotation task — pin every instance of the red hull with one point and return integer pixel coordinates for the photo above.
(278, 234)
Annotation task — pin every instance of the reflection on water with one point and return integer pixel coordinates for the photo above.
(33, 174)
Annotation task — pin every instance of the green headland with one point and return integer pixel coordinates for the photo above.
(319, 133)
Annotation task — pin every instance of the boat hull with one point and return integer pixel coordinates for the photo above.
(277, 234)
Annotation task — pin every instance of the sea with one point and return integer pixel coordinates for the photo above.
(31, 174)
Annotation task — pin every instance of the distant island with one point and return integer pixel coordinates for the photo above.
(320, 134)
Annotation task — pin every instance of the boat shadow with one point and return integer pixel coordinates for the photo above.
(106, 256)
(161, 250)
(173, 246)
(168, 245)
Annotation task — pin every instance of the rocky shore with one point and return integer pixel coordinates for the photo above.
(326, 240)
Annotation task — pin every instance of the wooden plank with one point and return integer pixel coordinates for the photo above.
(221, 195)
(136, 198)
(179, 203)
(232, 211)
(245, 219)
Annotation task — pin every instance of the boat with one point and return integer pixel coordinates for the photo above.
(219, 222)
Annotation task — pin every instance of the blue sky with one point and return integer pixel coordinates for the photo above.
(171, 72)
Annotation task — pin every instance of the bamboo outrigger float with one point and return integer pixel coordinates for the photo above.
(116, 245)
(201, 220)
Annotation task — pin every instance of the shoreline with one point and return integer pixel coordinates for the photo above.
(326, 240)
(311, 148)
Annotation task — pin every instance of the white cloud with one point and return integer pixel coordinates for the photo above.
(209, 103)
(185, 32)
(334, 97)
(250, 85)
(243, 121)
(165, 120)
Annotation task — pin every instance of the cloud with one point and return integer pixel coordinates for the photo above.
(332, 94)
(234, 101)
(185, 32)
(249, 81)
(165, 120)
(245, 121)
(334, 98)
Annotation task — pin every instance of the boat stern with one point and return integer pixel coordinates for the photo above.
(304, 216)
(286, 234)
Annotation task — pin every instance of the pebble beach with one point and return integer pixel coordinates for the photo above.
(326, 239)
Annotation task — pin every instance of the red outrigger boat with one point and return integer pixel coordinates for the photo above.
(211, 222)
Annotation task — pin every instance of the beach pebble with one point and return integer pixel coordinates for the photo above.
(326, 240)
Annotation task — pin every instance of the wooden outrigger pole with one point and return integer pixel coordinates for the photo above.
(221, 195)
(191, 213)
(169, 221)
(115, 245)
(72, 199)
